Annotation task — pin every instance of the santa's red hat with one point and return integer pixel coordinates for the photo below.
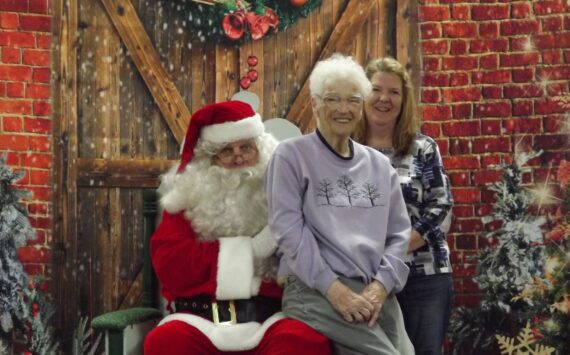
(220, 123)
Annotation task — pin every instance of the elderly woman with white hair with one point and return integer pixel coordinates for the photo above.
(337, 212)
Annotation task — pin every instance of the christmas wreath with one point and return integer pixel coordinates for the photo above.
(237, 20)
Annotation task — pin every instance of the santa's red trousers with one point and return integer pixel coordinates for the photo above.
(285, 337)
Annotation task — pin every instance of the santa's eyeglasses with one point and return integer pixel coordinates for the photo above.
(246, 150)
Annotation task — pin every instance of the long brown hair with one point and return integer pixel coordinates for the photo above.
(408, 123)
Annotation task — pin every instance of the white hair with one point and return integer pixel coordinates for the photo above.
(338, 67)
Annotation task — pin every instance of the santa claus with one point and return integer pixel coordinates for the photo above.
(213, 252)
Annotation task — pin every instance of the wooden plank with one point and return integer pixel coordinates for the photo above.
(64, 277)
(352, 20)
(414, 63)
(227, 71)
(382, 28)
(403, 32)
(147, 60)
(105, 173)
(391, 26)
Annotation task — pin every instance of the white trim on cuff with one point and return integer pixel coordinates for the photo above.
(235, 268)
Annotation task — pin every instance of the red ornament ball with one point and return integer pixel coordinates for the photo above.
(245, 82)
(252, 75)
(298, 3)
(252, 61)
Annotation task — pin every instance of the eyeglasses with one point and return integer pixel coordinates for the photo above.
(247, 151)
(334, 102)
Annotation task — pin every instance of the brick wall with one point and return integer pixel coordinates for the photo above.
(25, 109)
(491, 72)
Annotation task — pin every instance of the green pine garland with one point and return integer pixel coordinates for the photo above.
(205, 21)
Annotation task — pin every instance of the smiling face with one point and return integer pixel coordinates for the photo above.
(338, 108)
(384, 104)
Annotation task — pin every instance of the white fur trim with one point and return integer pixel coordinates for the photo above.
(226, 337)
(227, 132)
(235, 268)
(255, 285)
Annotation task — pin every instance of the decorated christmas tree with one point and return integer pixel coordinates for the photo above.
(24, 308)
(504, 269)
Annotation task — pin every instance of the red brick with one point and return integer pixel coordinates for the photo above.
(12, 142)
(459, 30)
(38, 91)
(40, 238)
(431, 63)
(39, 208)
(42, 178)
(462, 211)
(489, 30)
(493, 109)
(430, 96)
(443, 146)
(518, 27)
(490, 161)
(520, 44)
(40, 144)
(459, 79)
(461, 111)
(460, 12)
(37, 57)
(36, 160)
(492, 92)
(547, 41)
(434, 47)
(554, 158)
(434, 13)
(553, 23)
(13, 5)
(430, 30)
(35, 23)
(2, 89)
(458, 47)
(29, 254)
(554, 73)
(523, 75)
(459, 63)
(460, 162)
(464, 94)
(550, 7)
(468, 225)
(431, 129)
(461, 129)
(435, 79)
(490, 61)
(523, 90)
(43, 41)
(491, 145)
(467, 300)
(567, 23)
(544, 107)
(464, 270)
(41, 75)
(466, 242)
(8, 20)
(40, 193)
(551, 57)
(566, 56)
(37, 125)
(42, 108)
(469, 286)
(552, 141)
(523, 125)
(15, 89)
(522, 108)
(491, 77)
(15, 73)
(483, 210)
(489, 12)
(460, 179)
(435, 113)
(519, 59)
(520, 10)
(11, 124)
(11, 55)
(554, 123)
(488, 45)
(466, 195)
(459, 146)
(486, 176)
(491, 127)
(15, 106)
(17, 39)
(39, 6)
(557, 89)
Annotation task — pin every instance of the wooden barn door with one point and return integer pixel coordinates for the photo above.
(127, 80)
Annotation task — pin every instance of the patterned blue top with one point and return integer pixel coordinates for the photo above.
(428, 199)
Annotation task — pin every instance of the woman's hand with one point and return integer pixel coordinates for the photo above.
(416, 241)
(376, 294)
(351, 306)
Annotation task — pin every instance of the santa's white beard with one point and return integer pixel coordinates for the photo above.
(219, 202)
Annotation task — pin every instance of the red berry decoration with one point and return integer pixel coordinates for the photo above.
(298, 3)
(245, 82)
(252, 75)
(252, 61)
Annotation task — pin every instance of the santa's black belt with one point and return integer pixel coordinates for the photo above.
(255, 309)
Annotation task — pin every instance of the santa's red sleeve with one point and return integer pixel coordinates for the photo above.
(187, 266)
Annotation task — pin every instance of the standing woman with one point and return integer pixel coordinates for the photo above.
(337, 212)
(392, 127)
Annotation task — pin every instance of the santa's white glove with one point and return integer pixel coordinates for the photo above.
(263, 244)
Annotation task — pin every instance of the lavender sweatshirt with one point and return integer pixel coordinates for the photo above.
(335, 216)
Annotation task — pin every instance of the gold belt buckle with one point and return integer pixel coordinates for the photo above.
(216, 315)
